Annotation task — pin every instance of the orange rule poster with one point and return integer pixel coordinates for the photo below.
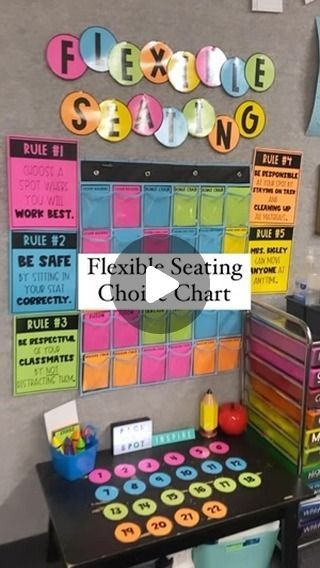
(275, 185)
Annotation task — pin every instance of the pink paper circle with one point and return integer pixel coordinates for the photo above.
(124, 470)
(99, 476)
(147, 114)
(63, 57)
(200, 452)
(174, 458)
(209, 61)
(219, 448)
(148, 465)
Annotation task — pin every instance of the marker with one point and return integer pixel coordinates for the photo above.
(81, 445)
(75, 438)
(208, 415)
(88, 434)
(68, 447)
(57, 444)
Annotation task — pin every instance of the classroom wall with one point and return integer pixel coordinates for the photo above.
(30, 98)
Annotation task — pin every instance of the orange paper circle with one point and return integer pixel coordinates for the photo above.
(154, 59)
(159, 526)
(127, 532)
(225, 135)
(186, 517)
(214, 510)
(80, 113)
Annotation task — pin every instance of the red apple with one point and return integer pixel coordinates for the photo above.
(233, 418)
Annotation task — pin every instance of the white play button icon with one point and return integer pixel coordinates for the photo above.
(158, 284)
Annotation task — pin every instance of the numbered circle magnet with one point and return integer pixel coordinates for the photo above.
(64, 58)
(174, 128)
(115, 124)
(182, 71)
(250, 118)
(225, 135)
(233, 78)
(209, 61)
(95, 45)
(127, 532)
(200, 116)
(146, 113)
(80, 113)
(154, 59)
(260, 72)
(124, 63)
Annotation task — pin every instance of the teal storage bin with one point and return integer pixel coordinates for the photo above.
(250, 549)
(72, 467)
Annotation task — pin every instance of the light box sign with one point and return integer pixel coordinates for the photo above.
(131, 436)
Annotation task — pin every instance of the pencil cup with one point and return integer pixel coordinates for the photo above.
(72, 467)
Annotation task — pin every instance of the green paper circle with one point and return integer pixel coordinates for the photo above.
(225, 484)
(260, 72)
(172, 497)
(124, 63)
(115, 511)
(144, 507)
(200, 116)
(200, 490)
(251, 480)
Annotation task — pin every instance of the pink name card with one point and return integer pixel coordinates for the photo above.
(96, 332)
(42, 183)
(126, 205)
(179, 361)
(153, 364)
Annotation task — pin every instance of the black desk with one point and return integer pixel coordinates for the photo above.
(81, 535)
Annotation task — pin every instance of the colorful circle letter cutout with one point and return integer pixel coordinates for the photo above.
(80, 113)
(64, 58)
(147, 115)
(124, 63)
(250, 118)
(182, 71)
(209, 61)
(225, 135)
(95, 45)
(115, 124)
(154, 59)
(260, 72)
(174, 128)
(233, 78)
(200, 116)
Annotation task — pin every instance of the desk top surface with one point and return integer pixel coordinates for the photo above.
(133, 506)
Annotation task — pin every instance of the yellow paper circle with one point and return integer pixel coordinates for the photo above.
(250, 118)
(116, 121)
(182, 71)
